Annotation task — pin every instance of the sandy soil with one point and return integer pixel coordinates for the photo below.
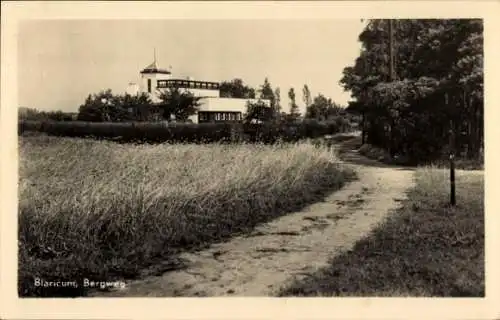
(288, 248)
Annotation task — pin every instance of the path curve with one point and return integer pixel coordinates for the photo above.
(288, 248)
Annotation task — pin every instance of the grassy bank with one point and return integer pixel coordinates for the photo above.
(424, 249)
(349, 142)
(104, 211)
(381, 155)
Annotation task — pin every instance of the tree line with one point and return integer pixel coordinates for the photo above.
(320, 108)
(433, 101)
(26, 113)
(105, 106)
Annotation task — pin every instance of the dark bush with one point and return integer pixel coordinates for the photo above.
(157, 132)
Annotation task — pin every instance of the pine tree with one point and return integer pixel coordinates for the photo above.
(433, 58)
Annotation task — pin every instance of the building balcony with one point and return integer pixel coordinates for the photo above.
(187, 84)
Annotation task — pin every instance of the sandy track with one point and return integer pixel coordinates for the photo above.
(288, 248)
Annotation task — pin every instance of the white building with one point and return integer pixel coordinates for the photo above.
(212, 107)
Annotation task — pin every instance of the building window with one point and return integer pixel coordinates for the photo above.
(149, 85)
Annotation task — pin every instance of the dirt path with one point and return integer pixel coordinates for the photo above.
(287, 248)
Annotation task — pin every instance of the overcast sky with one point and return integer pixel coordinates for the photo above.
(61, 62)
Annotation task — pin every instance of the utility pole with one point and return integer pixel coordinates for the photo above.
(391, 50)
(363, 106)
(391, 78)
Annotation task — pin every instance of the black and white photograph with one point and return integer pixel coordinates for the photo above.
(264, 157)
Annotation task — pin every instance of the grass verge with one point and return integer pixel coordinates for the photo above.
(424, 249)
(349, 142)
(105, 211)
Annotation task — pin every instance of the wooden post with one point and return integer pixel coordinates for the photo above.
(452, 160)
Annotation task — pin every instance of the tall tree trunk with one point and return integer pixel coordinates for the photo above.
(363, 127)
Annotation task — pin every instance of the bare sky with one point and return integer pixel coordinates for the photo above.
(60, 62)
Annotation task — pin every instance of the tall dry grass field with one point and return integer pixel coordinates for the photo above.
(101, 209)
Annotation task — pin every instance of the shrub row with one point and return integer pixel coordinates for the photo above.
(184, 132)
(133, 131)
(294, 131)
